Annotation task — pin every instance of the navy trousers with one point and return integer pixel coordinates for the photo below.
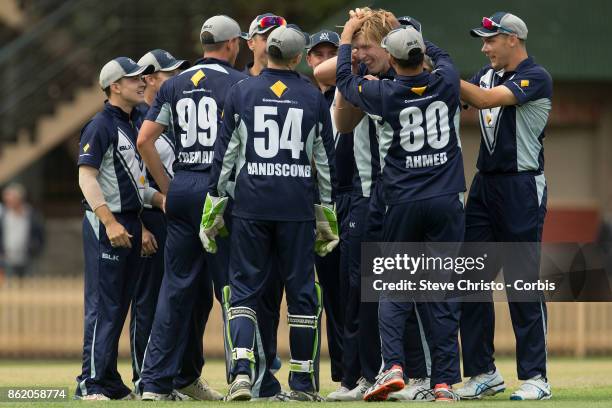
(292, 243)
(110, 279)
(147, 290)
(439, 219)
(506, 208)
(174, 355)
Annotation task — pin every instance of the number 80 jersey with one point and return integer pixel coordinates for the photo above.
(190, 105)
(417, 120)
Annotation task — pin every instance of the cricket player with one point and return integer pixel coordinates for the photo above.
(507, 201)
(257, 37)
(361, 342)
(112, 179)
(154, 221)
(423, 181)
(189, 106)
(276, 126)
(332, 270)
(270, 301)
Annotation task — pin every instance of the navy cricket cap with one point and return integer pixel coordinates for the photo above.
(163, 61)
(324, 37)
(501, 23)
(410, 21)
(121, 67)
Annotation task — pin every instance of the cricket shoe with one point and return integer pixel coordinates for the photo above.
(336, 395)
(356, 394)
(445, 393)
(482, 385)
(240, 389)
(417, 389)
(131, 397)
(536, 388)
(178, 396)
(94, 397)
(305, 396)
(387, 382)
(199, 390)
(154, 396)
(282, 396)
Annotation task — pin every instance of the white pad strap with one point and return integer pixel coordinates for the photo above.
(301, 366)
(242, 311)
(243, 354)
(309, 322)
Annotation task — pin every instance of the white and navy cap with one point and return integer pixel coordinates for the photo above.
(290, 41)
(501, 23)
(162, 61)
(403, 42)
(221, 28)
(264, 23)
(324, 37)
(121, 67)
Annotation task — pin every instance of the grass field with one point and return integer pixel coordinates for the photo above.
(576, 383)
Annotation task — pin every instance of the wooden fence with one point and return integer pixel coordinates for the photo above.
(43, 317)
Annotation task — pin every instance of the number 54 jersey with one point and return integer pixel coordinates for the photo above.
(190, 106)
(418, 126)
(276, 127)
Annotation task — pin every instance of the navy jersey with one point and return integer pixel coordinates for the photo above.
(190, 106)
(108, 143)
(345, 159)
(418, 121)
(275, 126)
(164, 146)
(512, 136)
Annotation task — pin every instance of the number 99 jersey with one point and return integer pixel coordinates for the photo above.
(190, 106)
(275, 127)
(417, 119)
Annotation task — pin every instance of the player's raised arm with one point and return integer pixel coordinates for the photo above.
(325, 72)
(481, 98)
(357, 90)
(442, 62)
(346, 116)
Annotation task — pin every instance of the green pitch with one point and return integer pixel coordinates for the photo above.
(576, 383)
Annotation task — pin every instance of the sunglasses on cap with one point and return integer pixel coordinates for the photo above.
(489, 24)
(271, 21)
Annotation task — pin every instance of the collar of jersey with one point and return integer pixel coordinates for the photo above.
(274, 71)
(524, 64)
(118, 112)
(208, 60)
(420, 79)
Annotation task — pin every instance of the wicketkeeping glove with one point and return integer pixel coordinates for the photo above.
(327, 229)
(212, 222)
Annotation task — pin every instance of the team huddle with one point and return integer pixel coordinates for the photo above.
(203, 182)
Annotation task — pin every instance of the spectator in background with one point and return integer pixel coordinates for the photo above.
(22, 236)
